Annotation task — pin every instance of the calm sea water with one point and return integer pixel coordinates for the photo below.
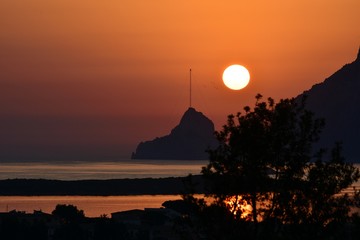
(95, 206)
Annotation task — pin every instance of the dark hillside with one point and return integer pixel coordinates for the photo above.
(337, 99)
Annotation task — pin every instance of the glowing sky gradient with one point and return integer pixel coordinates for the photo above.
(108, 74)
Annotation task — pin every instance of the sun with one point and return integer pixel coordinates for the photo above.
(236, 77)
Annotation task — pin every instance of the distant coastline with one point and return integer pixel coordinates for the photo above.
(111, 187)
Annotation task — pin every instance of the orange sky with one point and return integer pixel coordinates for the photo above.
(117, 72)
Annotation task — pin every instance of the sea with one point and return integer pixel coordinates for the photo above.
(95, 206)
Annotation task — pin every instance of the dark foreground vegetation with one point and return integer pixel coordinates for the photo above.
(266, 181)
(67, 222)
(177, 220)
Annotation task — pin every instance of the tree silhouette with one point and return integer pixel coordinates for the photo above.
(265, 160)
(68, 213)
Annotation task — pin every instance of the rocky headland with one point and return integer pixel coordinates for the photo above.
(187, 141)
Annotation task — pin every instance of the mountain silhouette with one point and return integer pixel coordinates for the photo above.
(337, 99)
(187, 141)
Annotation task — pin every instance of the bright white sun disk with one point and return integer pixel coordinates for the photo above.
(236, 77)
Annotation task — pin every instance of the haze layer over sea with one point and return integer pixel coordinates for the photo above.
(80, 170)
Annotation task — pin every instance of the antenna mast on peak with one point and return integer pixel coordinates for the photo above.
(190, 87)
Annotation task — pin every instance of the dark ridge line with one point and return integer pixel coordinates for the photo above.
(110, 187)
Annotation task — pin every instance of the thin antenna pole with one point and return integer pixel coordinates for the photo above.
(190, 87)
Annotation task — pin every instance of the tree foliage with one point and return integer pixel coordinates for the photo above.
(68, 213)
(265, 159)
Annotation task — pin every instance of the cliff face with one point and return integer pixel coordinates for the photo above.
(337, 99)
(187, 141)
